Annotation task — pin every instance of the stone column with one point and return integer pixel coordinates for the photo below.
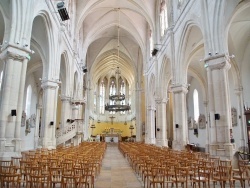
(75, 110)
(240, 116)
(38, 116)
(211, 111)
(180, 139)
(161, 122)
(207, 127)
(150, 126)
(65, 113)
(14, 75)
(50, 91)
(138, 114)
(219, 96)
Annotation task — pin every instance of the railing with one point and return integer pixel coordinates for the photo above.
(66, 133)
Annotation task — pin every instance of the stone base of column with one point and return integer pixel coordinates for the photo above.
(17, 143)
(77, 139)
(37, 142)
(213, 149)
(2, 144)
(7, 155)
(48, 143)
(224, 151)
(207, 148)
(177, 145)
(161, 142)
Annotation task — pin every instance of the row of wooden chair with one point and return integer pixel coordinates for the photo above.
(164, 167)
(64, 167)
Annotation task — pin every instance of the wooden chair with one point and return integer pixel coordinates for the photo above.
(82, 177)
(9, 177)
(223, 175)
(202, 176)
(242, 174)
(38, 178)
(181, 176)
(157, 177)
(55, 175)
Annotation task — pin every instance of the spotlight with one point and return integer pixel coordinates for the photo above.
(154, 52)
(62, 11)
(25, 45)
(32, 51)
(17, 42)
(84, 69)
(209, 53)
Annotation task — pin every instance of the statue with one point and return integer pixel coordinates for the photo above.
(33, 121)
(23, 120)
(202, 121)
(190, 123)
(234, 116)
(27, 130)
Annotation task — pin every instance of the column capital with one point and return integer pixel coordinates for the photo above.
(65, 98)
(75, 107)
(151, 108)
(205, 103)
(39, 106)
(49, 84)
(217, 62)
(179, 88)
(238, 90)
(161, 100)
(12, 52)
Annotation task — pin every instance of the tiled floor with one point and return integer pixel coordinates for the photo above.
(117, 173)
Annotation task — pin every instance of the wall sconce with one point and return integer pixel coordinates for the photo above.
(51, 123)
(158, 129)
(154, 52)
(176, 126)
(62, 11)
(84, 69)
(195, 131)
(13, 112)
(216, 116)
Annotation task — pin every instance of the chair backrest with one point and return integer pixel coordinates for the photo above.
(158, 174)
(225, 172)
(225, 162)
(182, 172)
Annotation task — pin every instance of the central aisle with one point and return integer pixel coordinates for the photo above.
(116, 171)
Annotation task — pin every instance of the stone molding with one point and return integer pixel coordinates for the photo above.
(49, 84)
(218, 62)
(12, 52)
(179, 88)
(65, 98)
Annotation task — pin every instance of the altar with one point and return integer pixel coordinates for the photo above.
(112, 138)
(111, 135)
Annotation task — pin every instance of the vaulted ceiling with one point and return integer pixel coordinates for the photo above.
(115, 34)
